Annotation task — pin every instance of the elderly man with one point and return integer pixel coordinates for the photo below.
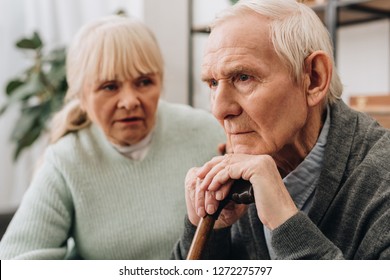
(319, 170)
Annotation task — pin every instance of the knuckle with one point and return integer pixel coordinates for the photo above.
(228, 169)
(189, 183)
(215, 160)
(227, 158)
(190, 174)
(210, 195)
(199, 191)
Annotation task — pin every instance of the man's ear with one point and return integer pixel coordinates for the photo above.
(317, 77)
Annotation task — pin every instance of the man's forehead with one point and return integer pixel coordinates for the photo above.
(226, 56)
(237, 35)
(233, 58)
(242, 25)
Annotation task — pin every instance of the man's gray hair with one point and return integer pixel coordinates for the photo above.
(295, 31)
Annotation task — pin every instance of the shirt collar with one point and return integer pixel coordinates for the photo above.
(137, 151)
(301, 182)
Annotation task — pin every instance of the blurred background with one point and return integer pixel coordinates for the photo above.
(359, 28)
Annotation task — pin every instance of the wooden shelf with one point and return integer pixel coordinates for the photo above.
(200, 29)
(349, 12)
(353, 11)
(377, 106)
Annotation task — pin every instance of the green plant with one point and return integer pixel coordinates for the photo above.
(39, 91)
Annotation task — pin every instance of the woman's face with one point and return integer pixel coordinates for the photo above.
(124, 109)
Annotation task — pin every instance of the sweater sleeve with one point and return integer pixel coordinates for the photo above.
(41, 225)
(299, 238)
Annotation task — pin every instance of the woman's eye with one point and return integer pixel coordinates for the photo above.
(110, 87)
(144, 82)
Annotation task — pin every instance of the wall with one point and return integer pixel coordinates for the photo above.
(363, 58)
(169, 20)
(204, 12)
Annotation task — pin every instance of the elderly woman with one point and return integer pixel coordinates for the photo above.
(112, 180)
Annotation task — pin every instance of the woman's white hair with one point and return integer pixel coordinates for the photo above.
(296, 32)
(110, 48)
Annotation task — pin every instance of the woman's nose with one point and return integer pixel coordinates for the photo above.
(128, 99)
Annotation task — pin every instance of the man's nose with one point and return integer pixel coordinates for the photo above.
(225, 101)
(128, 99)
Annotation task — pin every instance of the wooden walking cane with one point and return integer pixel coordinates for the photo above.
(241, 193)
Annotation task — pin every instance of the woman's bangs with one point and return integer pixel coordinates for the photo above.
(122, 58)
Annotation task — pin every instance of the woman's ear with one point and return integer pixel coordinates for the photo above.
(318, 74)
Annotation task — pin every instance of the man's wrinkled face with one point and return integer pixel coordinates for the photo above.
(252, 93)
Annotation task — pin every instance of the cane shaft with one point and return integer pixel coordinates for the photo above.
(241, 192)
(201, 236)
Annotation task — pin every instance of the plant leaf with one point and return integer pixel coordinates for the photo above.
(43, 84)
(32, 43)
(56, 56)
(32, 87)
(58, 100)
(27, 128)
(27, 140)
(45, 112)
(28, 118)
(12, 85)
(56, 74)
(3, 108)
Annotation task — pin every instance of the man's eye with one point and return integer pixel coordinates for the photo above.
(213, 83)
(243, 77)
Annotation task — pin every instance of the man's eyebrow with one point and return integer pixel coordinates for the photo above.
(237, 69)
(205, 77)
(229, 71)
(206, 73)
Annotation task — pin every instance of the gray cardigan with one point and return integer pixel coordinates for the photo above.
(350, 215)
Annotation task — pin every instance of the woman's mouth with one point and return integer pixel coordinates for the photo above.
(130, 120)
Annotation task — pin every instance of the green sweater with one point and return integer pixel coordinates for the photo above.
(112, 206)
